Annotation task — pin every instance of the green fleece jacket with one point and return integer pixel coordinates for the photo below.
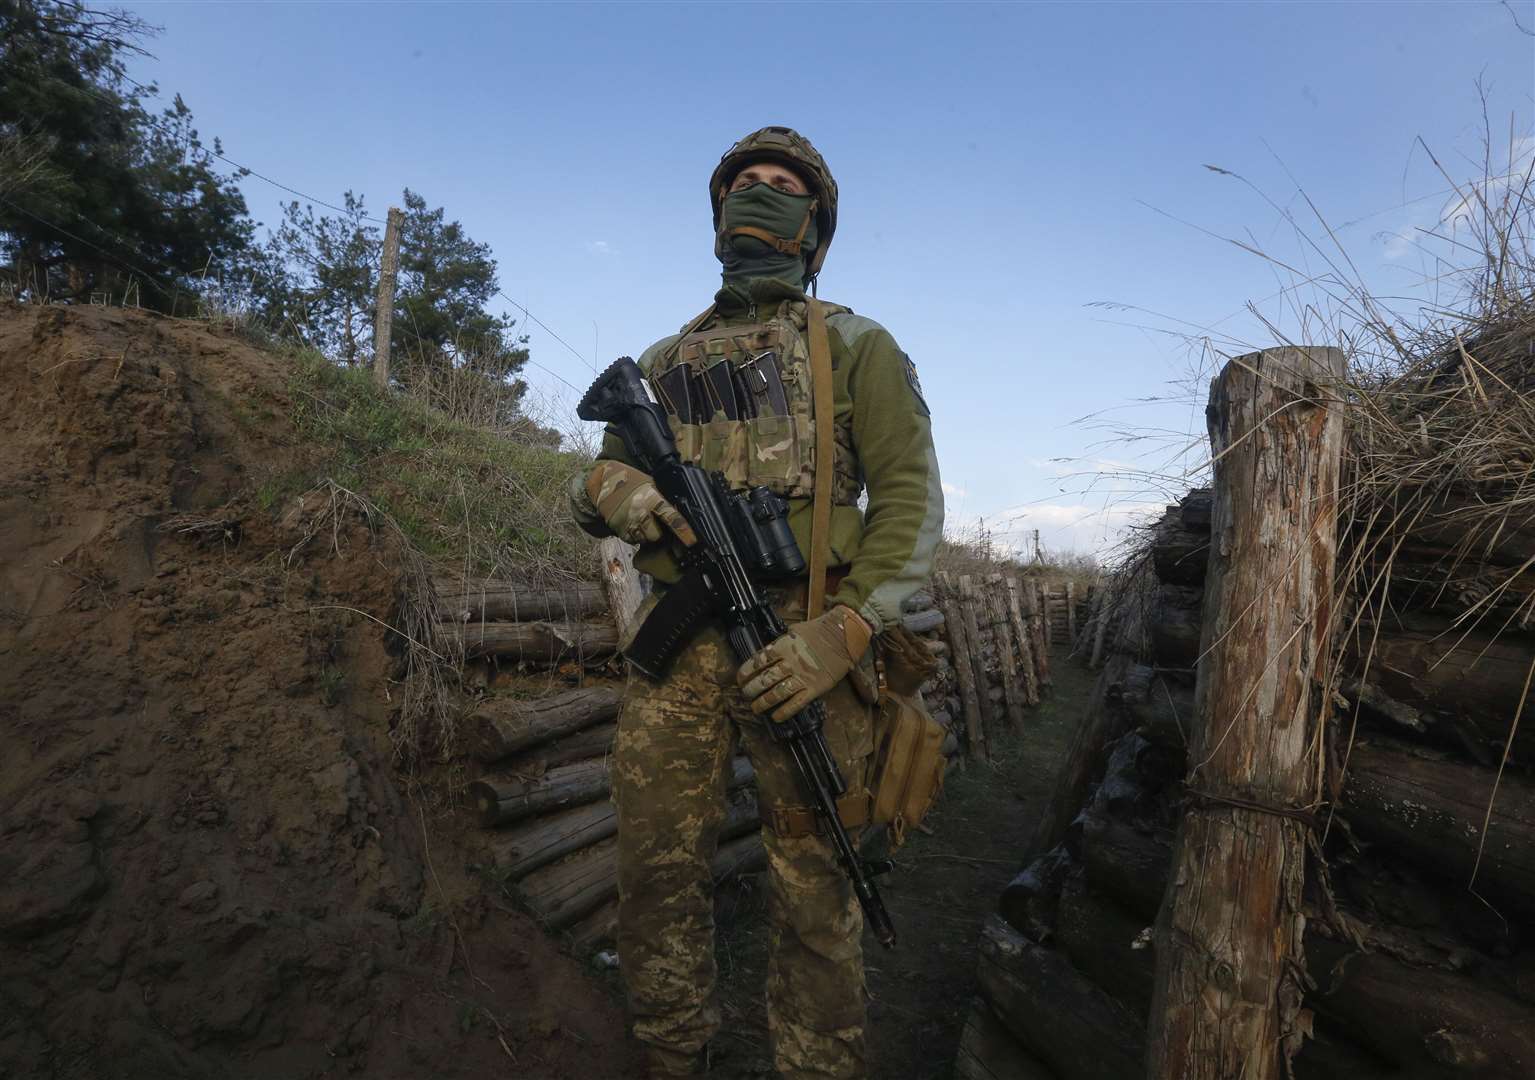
(887, 547)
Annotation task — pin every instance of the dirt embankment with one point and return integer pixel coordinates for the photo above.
(207, 864)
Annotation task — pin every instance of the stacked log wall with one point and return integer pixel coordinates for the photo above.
(546, 785)
(1417, 972)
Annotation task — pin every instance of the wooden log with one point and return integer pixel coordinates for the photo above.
(1428, 1023)
(1176, 625)
(534, 844)
(1125, 862)
(921, 600)
(538, 642)
(1071, 613)
(1028, 665)
(922, 622)
(1178, 554)
(995, 607)
(1197, 509)
(1038, 640)
(1047, 612)
(582, 746)
(1230, 961)
(620, 584)
(1465, 680)
(988, 1051)
(1109, 945)
(964, 671)
(1077, 1030)
(568, 891)
(596, 931)
(506, 601)
(1029, 901)
(500, 727)
(969, 610)
(1430, 810)
(503, 802)
(1159, 704)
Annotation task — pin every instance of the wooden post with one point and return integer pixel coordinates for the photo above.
(1071, 615)
(1230, 968)
(1029, 600)
(1028, 668)
(383, 316)
(964, 672)
(1046, 613)
(968, 603)
(621, 582)
(1002, 634)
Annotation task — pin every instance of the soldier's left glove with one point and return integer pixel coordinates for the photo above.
(805, 663)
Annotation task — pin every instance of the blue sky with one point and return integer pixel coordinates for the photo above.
(1006, 171)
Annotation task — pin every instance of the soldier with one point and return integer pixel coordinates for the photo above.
(775, 210)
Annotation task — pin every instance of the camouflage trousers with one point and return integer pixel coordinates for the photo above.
(671, 761)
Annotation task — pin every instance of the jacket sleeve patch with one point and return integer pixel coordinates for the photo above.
(916, 386)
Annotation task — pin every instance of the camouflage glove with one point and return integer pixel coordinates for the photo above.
(805, 663)
(628, 501)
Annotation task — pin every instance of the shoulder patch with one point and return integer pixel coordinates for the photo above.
(916, 385)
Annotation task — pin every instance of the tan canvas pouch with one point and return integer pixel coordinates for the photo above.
(906, 770)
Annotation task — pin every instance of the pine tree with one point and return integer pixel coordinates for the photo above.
(98, 195)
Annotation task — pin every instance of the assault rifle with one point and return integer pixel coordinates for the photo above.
(738, 534)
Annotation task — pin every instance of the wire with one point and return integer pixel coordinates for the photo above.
(159, 122)
(97, 247)
(534, 318)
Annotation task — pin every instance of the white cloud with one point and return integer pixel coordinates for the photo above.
(953, 491)
(600, 247)
(1062, 526)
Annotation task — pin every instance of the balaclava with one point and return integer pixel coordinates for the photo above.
(748, 217)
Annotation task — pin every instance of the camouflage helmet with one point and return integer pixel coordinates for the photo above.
(788, 148)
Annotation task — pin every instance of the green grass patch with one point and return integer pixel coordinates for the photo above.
(465, 496)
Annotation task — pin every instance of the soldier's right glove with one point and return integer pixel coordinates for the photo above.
(628, 501)
(814, 656)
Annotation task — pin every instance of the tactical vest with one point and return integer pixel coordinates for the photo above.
(777, 452)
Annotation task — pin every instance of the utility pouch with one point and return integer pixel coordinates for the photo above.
(905, 774)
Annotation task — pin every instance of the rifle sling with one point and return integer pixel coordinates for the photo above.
(824, 410)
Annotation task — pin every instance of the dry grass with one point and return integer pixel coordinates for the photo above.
(1437, 499)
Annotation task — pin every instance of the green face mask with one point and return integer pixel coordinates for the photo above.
(765, 210)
